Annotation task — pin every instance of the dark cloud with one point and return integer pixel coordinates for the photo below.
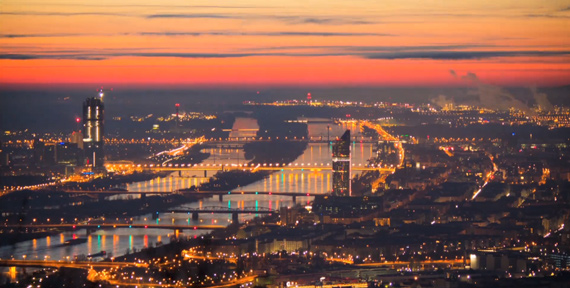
(354, 49)
(193, 16)
(565, 9)
(185, 55)
(324, 21)
(339, 20)
(277, 33)
(503, 38)
(38, 35)
(452, 72)
(172, 33)
(205, 33)
(460, 55)
(50, 56)
(291, 19)
(32, 13)
(415, 48)
(324, 34)
(480, 15)
(547, 16)
(436, 55)
(87, 56)
(144, 5)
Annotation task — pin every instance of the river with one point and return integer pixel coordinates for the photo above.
(118, 241)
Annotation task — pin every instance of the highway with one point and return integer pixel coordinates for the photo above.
(235, 283)
(405, 263)
(188, 255)
(353, 285)
(387, 137)
(399, 263)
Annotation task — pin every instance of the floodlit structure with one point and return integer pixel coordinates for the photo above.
(341, 165)
(93, 124)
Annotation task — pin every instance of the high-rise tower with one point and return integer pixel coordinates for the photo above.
(341, 165)
(93, 123)
(177, 114)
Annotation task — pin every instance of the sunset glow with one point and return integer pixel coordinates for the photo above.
(388, 43)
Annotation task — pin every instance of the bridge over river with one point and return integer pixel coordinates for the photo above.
(220, 194)
(89, 226)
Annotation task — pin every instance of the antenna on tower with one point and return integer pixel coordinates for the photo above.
(102, 91)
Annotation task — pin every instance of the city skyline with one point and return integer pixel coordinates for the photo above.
(252, 43)
(298, 144)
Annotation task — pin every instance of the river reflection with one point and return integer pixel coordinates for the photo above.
(117, 241)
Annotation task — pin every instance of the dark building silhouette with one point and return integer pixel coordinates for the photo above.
(341, 165)
(93, 124)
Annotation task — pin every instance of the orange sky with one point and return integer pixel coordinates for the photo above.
(320, 42)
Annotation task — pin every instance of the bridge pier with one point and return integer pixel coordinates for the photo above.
(195, 216)
(294, 199)
(221, 197)
(205, 173)
(235, 218)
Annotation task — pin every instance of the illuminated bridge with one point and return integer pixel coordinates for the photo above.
(113, 225)
(312, 139)
(74, 264)
(224, 210)
(220, 194)
(255, 167)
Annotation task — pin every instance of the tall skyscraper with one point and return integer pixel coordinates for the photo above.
(93, 123)
(341, 165)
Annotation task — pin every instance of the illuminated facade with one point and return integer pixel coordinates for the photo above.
(341, 165)
(93, 123)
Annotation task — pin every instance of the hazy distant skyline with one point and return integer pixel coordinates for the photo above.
(285, 43)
